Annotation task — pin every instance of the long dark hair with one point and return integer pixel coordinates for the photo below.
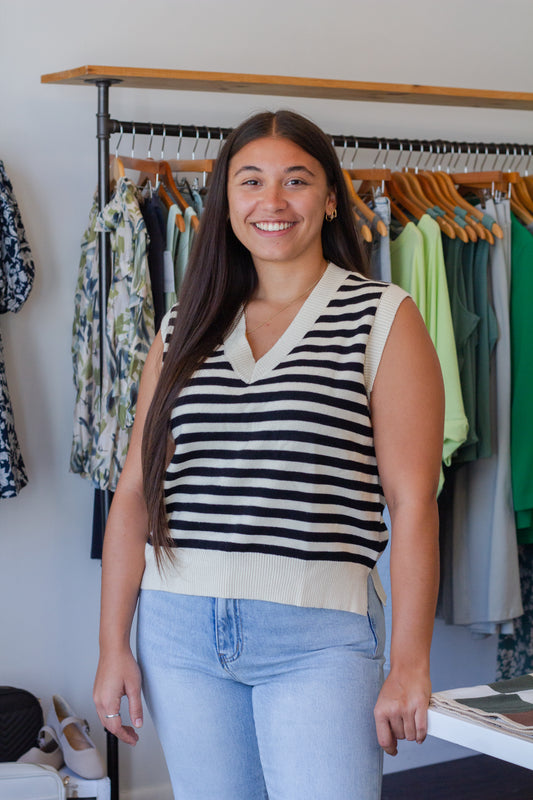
(219, 279)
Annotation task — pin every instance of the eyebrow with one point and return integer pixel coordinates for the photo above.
(289, 170)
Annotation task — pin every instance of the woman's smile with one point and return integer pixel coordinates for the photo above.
(271, 227)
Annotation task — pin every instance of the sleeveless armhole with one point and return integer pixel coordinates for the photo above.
(385, 314)
(167, 326)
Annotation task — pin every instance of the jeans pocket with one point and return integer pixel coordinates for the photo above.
(376, 620)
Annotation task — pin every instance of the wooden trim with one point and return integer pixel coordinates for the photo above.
(280, 85)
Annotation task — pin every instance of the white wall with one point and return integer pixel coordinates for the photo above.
(48, 585)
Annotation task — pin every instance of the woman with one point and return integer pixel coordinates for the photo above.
(279, 404)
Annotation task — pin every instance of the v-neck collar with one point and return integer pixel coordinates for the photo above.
(238, 351)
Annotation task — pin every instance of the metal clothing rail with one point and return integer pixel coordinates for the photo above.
(106, 127)
(442, 146)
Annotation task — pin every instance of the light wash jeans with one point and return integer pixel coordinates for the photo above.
(254, 700)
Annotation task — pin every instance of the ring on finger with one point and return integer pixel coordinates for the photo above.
(111, 716)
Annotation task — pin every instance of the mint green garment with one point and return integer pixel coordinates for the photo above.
(184, 248)
(522, 378)
(173, 235)
(417, 265)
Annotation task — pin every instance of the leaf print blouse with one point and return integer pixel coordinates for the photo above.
(103, 418)
(16, 279)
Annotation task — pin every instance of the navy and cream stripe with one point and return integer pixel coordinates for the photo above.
(274, 461)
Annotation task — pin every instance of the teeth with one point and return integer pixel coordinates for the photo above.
(273, 226)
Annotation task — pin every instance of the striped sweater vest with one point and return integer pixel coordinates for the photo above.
(273, 492)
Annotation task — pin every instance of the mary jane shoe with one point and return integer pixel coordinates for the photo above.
(47, 752)
(79, 751)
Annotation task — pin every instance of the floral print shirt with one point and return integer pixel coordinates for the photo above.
(17, 271)
(105, 404)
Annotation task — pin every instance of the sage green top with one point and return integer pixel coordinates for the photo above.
(417, 265)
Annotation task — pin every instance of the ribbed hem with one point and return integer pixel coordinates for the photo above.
(385, 313)
(258, 576)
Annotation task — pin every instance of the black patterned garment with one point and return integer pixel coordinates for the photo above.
(16, 278)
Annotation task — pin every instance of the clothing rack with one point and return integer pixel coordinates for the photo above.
(217, 134)
(105, 77)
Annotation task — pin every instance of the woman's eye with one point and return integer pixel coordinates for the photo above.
(296, 182)
(251, 182)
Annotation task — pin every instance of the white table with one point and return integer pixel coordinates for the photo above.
(480, 738)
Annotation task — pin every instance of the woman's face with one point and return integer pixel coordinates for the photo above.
(278, 195)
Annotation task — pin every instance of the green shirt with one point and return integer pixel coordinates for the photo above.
(417, 265)
(522, 378)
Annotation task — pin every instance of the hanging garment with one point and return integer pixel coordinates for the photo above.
(382, 208)
(488, 336)
(522, 378)
(170, 253)
(103, 420)
(379, 248)
(480, 580)
(417, 265)
(184, 248)
(191, 195)
(17, 271)
(101, 504)
(465, 323)
(515, 650)
(154, 218)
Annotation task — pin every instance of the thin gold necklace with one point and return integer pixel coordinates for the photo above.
(310, 289)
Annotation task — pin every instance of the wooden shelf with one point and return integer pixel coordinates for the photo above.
(280, 85)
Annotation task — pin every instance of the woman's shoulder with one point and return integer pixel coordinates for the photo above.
(167, 325)
(386, 292)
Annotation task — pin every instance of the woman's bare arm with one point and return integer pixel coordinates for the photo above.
(407, 405)
(122, 569)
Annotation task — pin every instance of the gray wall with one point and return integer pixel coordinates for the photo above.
(48, 585)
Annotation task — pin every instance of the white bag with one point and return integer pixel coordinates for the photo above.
(84, 788)
(30, 782)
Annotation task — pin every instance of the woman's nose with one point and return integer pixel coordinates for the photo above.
(274, 198)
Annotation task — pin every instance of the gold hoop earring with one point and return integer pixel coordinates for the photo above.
(332, 216)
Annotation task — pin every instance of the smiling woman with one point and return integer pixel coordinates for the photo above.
(277, 204)
(286, 399)
(278, 198)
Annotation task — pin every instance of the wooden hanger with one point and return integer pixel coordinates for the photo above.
(429, 204)
(175, 192)
(374, 175)
(521, 191)
(351, 175)
(528, 180)
(495, 181)
(357, 205)
(521, 204)
(146, 165)
(363, 228)
(485, 180)
(435, 194)
(117, 168)
(192, 165)
(402, 191)
(168, 201)
(473, 214)
(150, 168)
(376, 179)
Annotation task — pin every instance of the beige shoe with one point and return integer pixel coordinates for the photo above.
(79, 751)
(48, 751)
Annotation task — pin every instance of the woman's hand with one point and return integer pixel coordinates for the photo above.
(118, 674)
(401, 709)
